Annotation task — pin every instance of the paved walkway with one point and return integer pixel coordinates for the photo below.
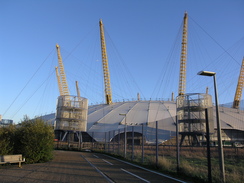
(71, 166)
(67, 166)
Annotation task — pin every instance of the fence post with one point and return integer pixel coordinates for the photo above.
(105, 141)
(113, 139)
(92, 140)
(157, 143)
(119, 142)
(109, 141)
(125, 143)
(142, 156)
(208, 148)
(132, 156)
(177, 144)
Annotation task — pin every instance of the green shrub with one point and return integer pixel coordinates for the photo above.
(7, 136)
(34, 140)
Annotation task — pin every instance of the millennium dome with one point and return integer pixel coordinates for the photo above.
(106, 122)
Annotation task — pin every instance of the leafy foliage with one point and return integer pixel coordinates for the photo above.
(31, 138)
(7, 136)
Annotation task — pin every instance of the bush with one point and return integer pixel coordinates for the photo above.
(31, 138)
(7, 136)
(34, 140)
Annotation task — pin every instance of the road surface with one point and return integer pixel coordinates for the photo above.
(87, 167)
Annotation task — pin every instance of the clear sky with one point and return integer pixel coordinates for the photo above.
(143, 44)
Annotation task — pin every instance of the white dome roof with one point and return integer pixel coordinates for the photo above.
(104, 118)
(111, 118)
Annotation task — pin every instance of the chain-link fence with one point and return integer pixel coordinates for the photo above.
(152, 146)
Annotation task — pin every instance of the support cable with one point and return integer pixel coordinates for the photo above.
(27, 83)
(216, 42)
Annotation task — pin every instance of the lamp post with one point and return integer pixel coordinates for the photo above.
(220, 146)
(125, 143)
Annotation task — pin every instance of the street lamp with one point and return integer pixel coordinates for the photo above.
(125, 135)
(220, 146)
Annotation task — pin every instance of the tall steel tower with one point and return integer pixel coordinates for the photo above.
(106, 74)
(240, 85)
(183, 58)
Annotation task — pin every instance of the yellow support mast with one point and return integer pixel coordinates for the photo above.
(106, 74)
(240, 85)
(62, 82)
(59, 82)
(77, 89)
(183, 59)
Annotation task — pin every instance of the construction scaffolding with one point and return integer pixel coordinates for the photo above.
(71, 113)
(191, 117)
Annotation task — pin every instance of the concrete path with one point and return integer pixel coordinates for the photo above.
(70, 166)
(67, 166)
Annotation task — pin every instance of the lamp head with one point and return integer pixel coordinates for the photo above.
(122, 114)
(206, 73)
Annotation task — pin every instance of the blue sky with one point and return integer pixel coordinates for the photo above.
(143, 43)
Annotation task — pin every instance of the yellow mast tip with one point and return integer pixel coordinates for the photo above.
(100, 21)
